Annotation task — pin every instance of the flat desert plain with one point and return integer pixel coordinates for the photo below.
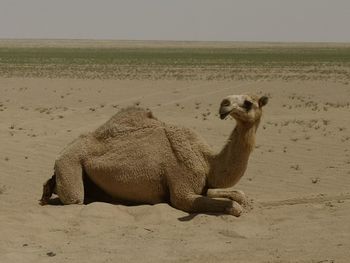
(298, 177)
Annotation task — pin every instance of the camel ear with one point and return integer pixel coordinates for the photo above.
(263, 101)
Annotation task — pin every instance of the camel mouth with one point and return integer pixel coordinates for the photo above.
(224, 115)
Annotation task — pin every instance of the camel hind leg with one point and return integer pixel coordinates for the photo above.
(69, 180)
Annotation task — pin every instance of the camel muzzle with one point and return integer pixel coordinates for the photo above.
(224, 113)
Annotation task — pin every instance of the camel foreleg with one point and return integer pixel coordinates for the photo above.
(235, 195)
(193, 203)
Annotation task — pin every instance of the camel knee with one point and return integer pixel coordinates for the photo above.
(69, 199)
(70, 192)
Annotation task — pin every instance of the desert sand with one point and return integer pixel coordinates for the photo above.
(298, 176)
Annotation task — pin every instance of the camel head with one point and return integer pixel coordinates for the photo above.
(243, 108)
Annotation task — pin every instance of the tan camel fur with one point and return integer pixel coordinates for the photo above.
(136, 158)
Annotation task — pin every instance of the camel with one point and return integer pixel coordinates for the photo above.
(135, 157)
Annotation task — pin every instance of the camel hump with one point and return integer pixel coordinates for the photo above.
(127, 121)
(188, 147)
(134, 112)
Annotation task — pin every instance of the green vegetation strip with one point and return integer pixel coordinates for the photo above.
(30, 60)
(168, 56)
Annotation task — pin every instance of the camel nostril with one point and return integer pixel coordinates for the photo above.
(225, 103)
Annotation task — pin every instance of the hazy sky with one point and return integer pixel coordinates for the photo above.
(235, 20)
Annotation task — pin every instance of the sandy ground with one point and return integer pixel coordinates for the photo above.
(298, 175)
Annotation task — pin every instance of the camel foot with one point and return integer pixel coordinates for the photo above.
(235, 210)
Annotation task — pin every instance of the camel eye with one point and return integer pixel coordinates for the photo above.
(247, 105)
(225, 103)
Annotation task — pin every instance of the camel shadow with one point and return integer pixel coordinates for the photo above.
(54, 201)
(191, 216)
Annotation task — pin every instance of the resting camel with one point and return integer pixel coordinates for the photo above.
(134, 157)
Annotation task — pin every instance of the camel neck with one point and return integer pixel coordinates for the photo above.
(231, 162)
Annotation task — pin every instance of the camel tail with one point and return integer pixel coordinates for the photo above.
(48, 190)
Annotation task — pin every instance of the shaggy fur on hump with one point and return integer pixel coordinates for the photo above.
(126, 121)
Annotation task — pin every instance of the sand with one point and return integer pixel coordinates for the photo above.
(298, 176)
